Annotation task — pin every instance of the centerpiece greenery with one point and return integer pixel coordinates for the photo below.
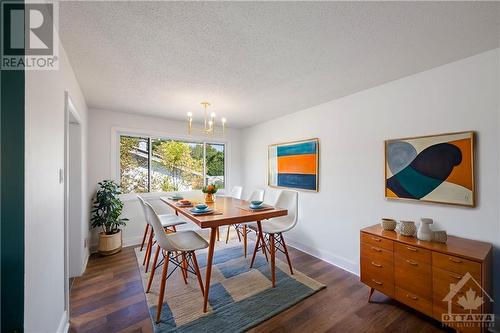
(209, 191)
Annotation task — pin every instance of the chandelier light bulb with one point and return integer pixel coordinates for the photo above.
(209, 125)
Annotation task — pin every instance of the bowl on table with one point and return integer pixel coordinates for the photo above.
(256, 204)
(201, 207)
(185, 202)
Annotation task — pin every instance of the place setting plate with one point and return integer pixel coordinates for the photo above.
(256, 206)
(184, 204)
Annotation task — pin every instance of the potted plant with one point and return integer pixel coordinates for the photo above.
(209, 191)
(106, 210)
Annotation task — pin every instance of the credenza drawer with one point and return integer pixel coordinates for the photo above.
(377, 241)
(413, 276)
(421, 304)
(376, 253)
(412, 252)
(378, 275)
(442, 282)
(457, 265)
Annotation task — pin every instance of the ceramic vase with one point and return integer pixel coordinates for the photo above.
(209, 198)
(388, 224)
(424, 231)
(440, 236)
(407, 228)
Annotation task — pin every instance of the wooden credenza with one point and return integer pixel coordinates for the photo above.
(420, 274)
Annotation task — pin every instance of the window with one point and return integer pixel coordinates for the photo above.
(162, 165)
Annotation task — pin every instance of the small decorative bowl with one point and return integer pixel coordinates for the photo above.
(440, 236)
(388, 224)
(256, 203)
(201, 206)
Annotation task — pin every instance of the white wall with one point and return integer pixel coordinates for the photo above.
(103, 164)
(44, 195)
(460, 96)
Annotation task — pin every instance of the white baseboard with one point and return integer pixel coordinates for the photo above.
(63, 323)
(347, 265)
(85, 262)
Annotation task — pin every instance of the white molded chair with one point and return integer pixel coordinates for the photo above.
(168, 222)
(180, 243)
(274, 228)
(236, 192)
(241, 229)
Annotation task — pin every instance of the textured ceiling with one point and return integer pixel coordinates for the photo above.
(258, 60)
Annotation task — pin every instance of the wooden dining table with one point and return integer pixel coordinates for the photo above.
(228, 211)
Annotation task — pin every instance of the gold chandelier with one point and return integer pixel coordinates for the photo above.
(210, 127)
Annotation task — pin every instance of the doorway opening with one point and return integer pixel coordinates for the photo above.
(76, 226)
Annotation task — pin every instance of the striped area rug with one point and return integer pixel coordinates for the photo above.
(239, 297)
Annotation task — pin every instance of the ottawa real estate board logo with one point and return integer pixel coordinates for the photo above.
(466, 302)
(29, 36)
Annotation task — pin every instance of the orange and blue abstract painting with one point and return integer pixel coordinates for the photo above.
(294, 165)
(435, 168)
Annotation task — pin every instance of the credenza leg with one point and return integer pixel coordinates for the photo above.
(370, 296)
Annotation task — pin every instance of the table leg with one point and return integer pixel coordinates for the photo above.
(273, 255)
(210, 256)
(245, 238)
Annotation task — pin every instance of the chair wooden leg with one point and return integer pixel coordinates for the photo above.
(184, 267)
(153, 269)
(245, 239)
(218, 239)
(227, 234)
(198, 274)
(273, 257)
(149, 247)
(144, 237)
(286, 253)
(162, 288)
(261, 235)
(237, 232)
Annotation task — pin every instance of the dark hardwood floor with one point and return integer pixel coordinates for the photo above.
(109, 298)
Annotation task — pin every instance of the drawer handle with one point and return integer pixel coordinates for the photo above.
(376, 239)
(375, 264)
(377, 282)
(457, 261)
(376, 249)
(411, 262)
(411, 249)
(412, 297)
(455, 276)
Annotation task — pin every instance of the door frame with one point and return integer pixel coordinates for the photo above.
(70, 112)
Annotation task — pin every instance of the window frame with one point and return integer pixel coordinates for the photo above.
(116, 133)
